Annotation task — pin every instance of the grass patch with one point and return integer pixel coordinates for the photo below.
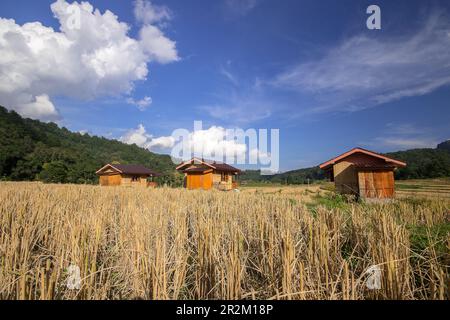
(330, 201)
(423, 237)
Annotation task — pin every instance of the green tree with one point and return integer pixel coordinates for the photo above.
(53, 172)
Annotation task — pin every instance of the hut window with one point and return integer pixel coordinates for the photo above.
(134, 179)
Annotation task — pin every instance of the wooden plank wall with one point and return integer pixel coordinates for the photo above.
(222, 185)
(199, 181)
(193, 181)
(345, 178)
(127, 181)
(110, 180)
(376, 184)
(207, 181)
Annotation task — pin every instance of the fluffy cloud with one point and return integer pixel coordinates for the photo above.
(90, 56)
(365, 71)
(213, 142)
(157, 46)
(216, 143)
(148, 13)
(141, 138)
(161, 143)
(234, 146)
(209, 141)
(41, 107)
(137, 136)
(204, 142)
(153, 17)
(142, 104)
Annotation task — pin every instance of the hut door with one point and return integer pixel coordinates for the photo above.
(114, 180)
(193, 181)
(384, 181)
(199, 181)
(207, 181)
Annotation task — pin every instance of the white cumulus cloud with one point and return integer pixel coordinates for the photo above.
(158, 47)
(40, 107)
(141, 138)
(149, 13)
(91, 56)
(210, 141)
(161, 143)
(214, 143)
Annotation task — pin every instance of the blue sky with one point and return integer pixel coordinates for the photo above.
(309, 68)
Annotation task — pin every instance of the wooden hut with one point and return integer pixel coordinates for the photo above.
(364, 173)
(201, 174)
(126, 175)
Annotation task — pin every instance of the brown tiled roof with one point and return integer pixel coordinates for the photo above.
(225, 167)
(198, 170)
(136, 169)
(212, 164)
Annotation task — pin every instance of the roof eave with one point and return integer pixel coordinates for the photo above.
(189, 162)
(331, 162)
(106, 166)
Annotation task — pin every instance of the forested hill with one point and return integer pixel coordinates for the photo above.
(33, 150)
(422, 163)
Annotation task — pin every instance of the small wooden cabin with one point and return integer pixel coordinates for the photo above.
(126, 175)
(364, 173)
(201, 174)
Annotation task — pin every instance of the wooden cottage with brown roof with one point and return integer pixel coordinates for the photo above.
(126, 175)
(201, 174)
(364, 173)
